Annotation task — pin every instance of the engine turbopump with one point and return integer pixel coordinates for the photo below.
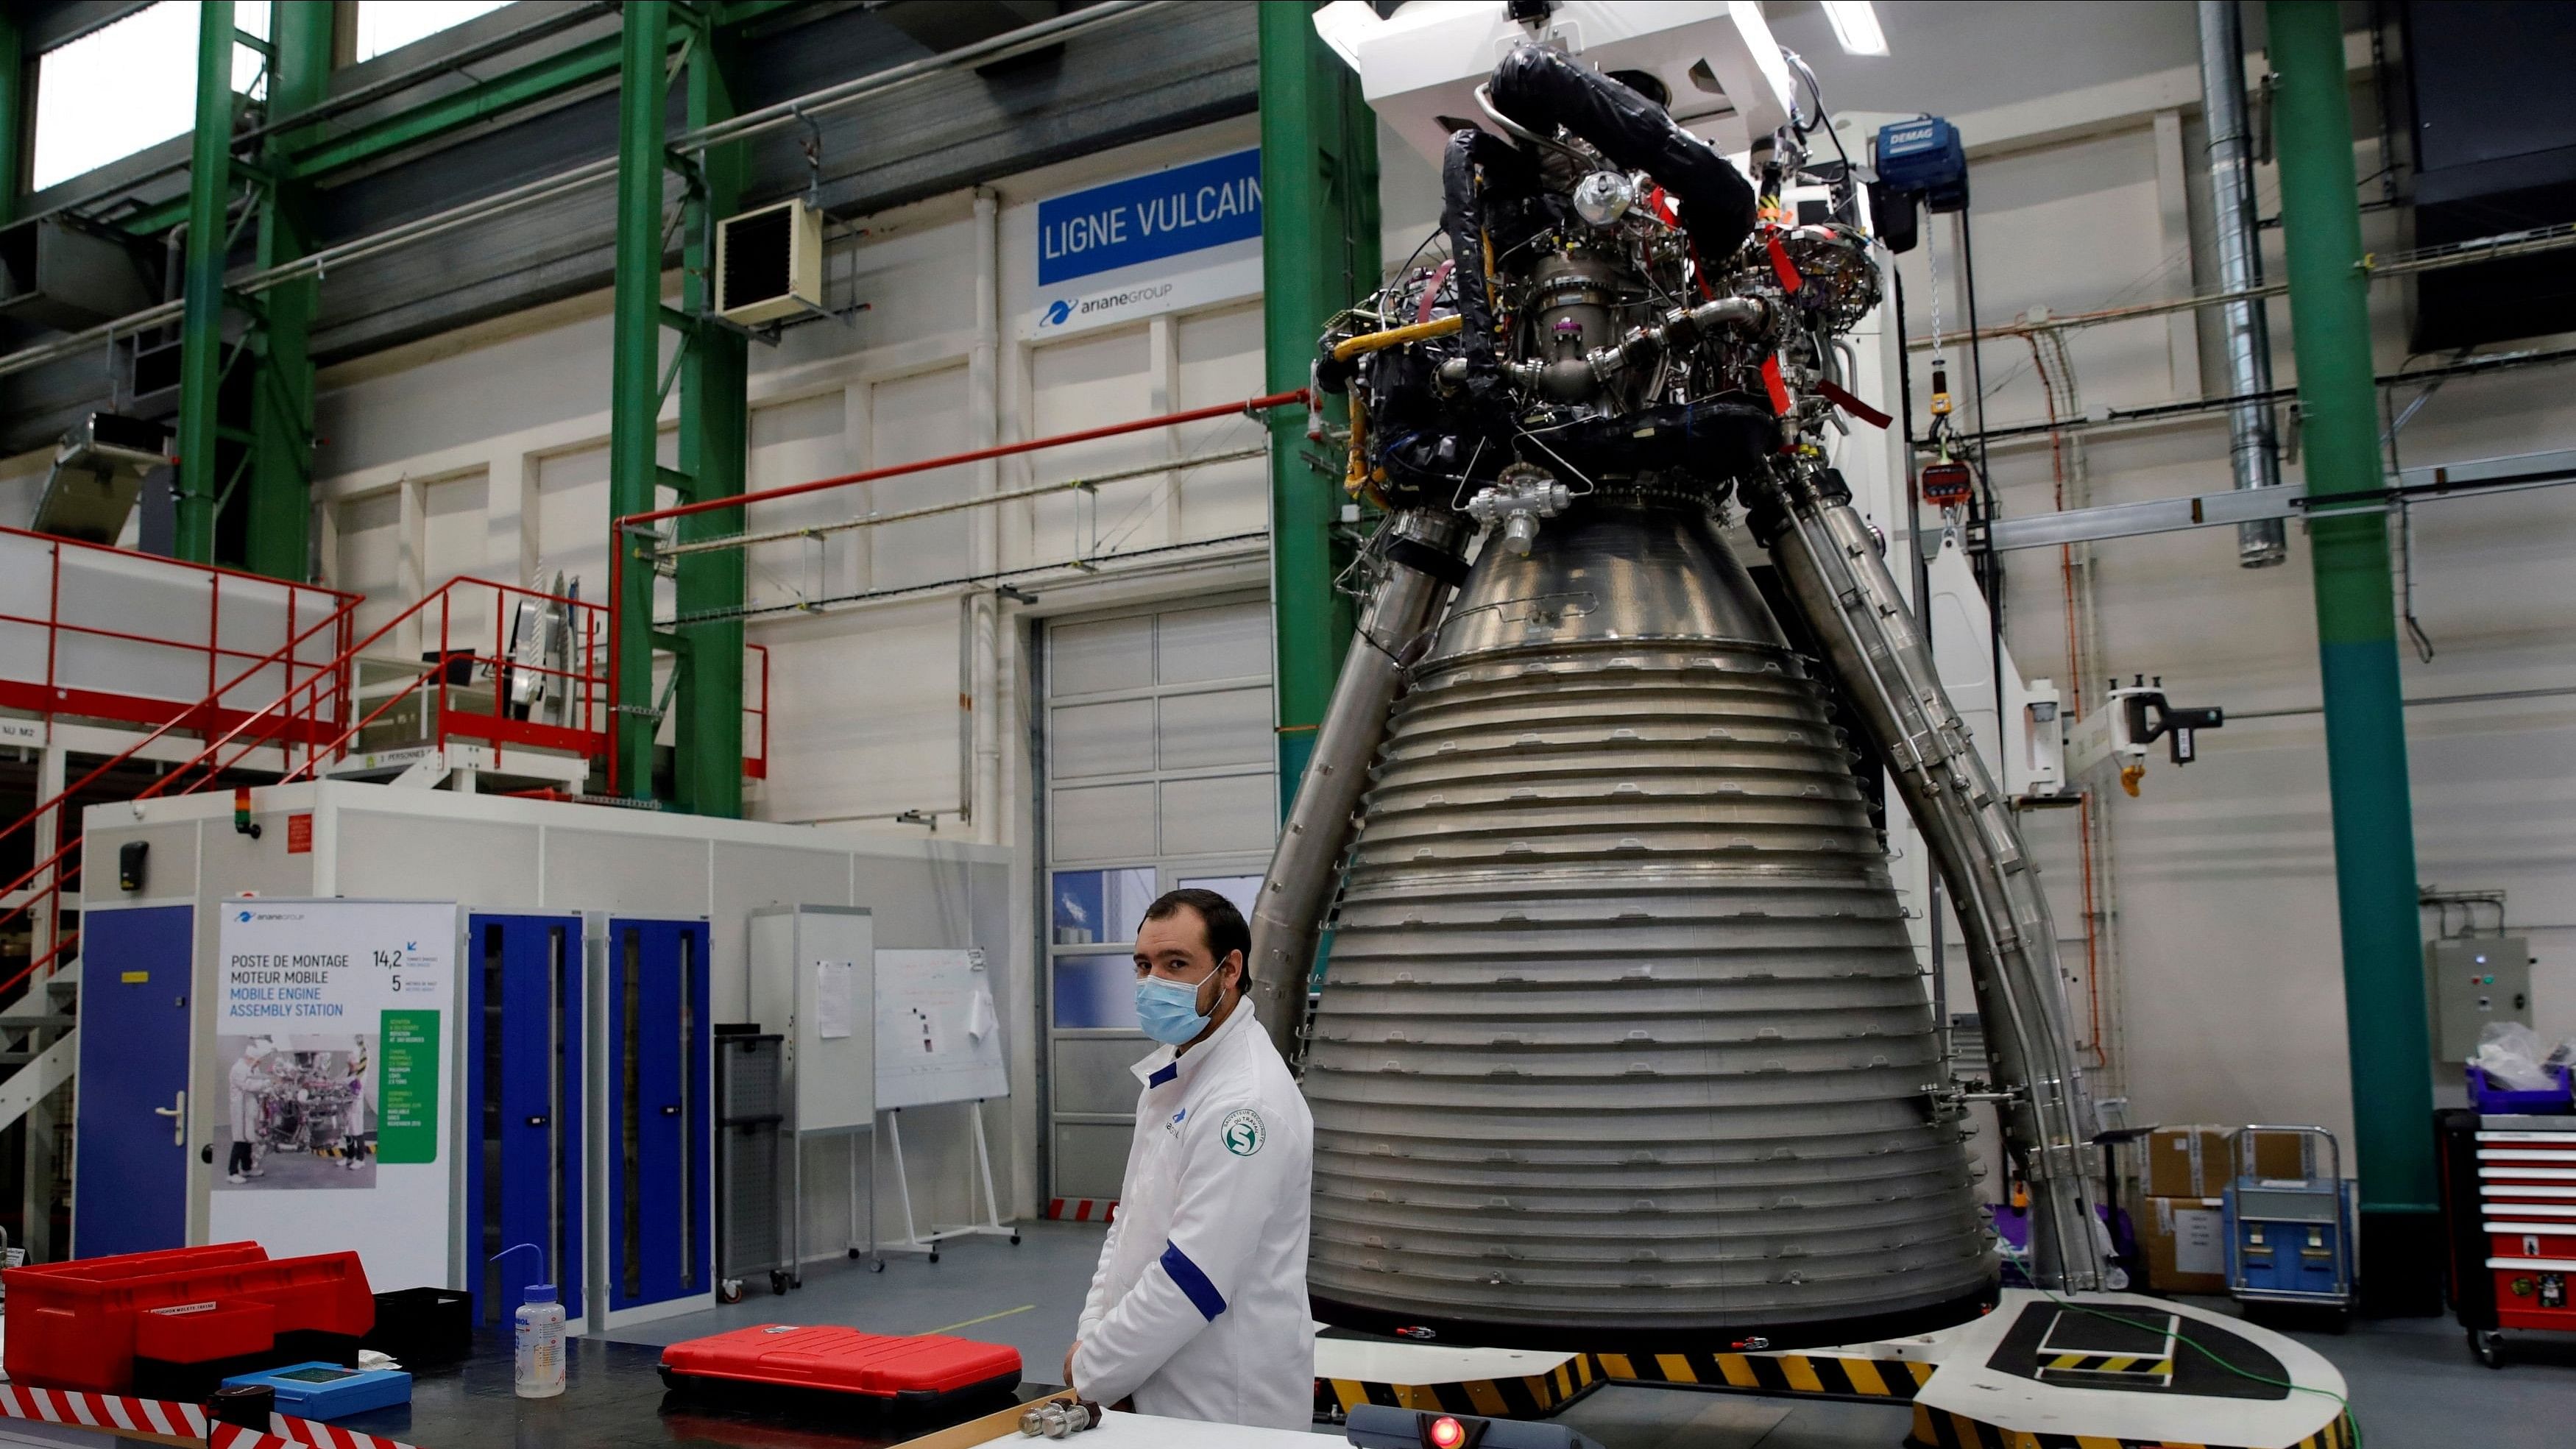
(1622, 1039)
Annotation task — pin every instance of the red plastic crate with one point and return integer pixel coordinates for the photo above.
(72, 1325)
(919, 1369)
(204, 1331)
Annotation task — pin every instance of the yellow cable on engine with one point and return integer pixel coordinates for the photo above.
(1396, 336)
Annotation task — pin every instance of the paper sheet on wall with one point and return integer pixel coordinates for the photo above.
(832, 993)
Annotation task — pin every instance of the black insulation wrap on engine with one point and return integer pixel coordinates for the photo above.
(1477, 174)
(1542, 90)
(1714, 439)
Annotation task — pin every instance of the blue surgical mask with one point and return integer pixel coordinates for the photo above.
(1169, 1011)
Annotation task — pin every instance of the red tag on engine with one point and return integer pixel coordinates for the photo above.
(1777, 385)
(1781, 267)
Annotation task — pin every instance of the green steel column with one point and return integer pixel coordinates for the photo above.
(279, 490)
(1319, 253)
(13, 113)
(634, 398)
(201, 329)
(2374, 833)
(714, 443)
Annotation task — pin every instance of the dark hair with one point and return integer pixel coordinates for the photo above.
(1226, 932)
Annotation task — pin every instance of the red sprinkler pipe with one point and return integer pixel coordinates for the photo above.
(1140, 425)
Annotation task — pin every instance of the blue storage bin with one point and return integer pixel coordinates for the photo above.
(2487, 1097)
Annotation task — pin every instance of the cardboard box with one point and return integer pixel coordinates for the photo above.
(2197, 1161)
(2185, 1244)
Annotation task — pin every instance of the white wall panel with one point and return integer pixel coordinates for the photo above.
(1084, 382)
(798, 441)
(455, 542)
(912, 418)
(865, 716)
(371, 547)
(1220, 361)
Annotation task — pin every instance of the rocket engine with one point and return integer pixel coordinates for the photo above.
(1622, 1042)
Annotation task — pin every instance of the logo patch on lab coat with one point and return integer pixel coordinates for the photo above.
(1242, 1132)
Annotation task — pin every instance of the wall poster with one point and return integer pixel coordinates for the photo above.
(334, 1027)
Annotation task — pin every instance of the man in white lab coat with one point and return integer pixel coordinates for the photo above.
(247, 1080)
(1198, 1309)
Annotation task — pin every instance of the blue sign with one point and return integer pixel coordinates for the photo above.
(1146, 218)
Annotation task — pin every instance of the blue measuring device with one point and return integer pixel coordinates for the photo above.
(327, 1390)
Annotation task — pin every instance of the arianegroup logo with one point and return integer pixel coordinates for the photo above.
(1065, 309)
(270, 916)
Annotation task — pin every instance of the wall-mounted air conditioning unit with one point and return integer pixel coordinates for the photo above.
(769, 263)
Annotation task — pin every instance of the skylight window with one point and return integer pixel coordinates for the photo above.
(130, 85)
(386, 25)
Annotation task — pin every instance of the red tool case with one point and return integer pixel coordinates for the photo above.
(82, 1324)
(912, 1372)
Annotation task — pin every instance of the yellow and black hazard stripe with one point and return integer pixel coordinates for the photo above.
(1941, 1429)
(1820, 1375)
(1526, 1396)
(2128, 1365)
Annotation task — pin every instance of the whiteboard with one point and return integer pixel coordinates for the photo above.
(939, 1030)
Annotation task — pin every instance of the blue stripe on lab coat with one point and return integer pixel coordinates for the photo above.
(1193, 1283)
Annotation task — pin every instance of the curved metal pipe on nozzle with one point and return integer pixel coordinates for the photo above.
(1840, 583)
(1679, 328)
(1297, 890)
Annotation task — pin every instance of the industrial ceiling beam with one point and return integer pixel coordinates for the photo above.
(1319, 254)
(2374, 826)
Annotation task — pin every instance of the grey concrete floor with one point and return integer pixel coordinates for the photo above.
(2414, 1383)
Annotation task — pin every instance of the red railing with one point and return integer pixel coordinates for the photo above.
(581, 682)
(122, 688)
(194, 716)
(314, 713)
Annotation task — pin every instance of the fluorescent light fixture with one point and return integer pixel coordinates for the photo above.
(1856, 26)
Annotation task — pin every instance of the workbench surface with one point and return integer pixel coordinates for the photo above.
(613, 1399)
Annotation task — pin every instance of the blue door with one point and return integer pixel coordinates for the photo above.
(523, 1089)
(660, 1182)
(130, 1165)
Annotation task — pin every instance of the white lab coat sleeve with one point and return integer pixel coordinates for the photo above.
(1232, 1179)
(1095, 1304)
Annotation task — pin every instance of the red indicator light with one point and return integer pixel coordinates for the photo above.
(1447, 1433)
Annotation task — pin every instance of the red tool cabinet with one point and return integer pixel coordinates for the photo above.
(2509, 1194)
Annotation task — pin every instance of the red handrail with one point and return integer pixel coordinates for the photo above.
(438, 666)
(184, 715)
(331, 672)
